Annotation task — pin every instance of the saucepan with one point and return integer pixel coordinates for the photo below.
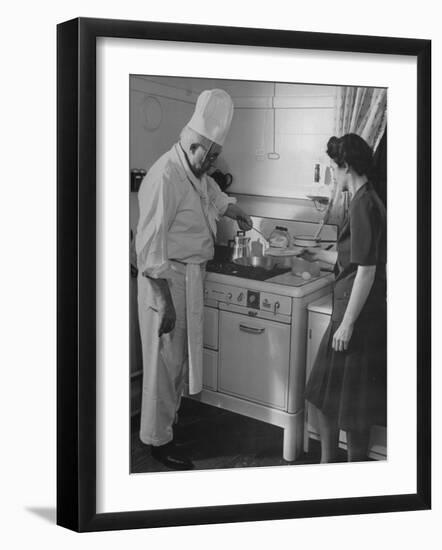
(267, 262)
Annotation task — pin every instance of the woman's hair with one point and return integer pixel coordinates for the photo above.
(354, 151)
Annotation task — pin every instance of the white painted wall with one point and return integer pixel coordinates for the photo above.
(147, 146)
(304, 120)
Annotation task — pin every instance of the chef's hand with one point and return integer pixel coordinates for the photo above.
(244, 222)
(341, 337)
(164, 304)
(133, 270)
(236, 213)
(167, 313)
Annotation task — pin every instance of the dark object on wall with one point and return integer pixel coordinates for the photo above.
(136, 177)
(133, 256)
(380, 168)
(223, 180)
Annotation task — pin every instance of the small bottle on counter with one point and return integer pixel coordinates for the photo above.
(317, 173)
(257, 248)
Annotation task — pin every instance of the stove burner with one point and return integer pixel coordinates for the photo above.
(244, 271)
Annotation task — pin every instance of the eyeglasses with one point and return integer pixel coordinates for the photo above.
(211, 157)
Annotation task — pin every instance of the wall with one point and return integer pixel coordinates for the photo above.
(147, 145)
(304, 117)
(304, 120)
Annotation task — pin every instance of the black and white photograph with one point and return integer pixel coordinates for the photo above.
(258, 273)
(241, 337)
(220, 228)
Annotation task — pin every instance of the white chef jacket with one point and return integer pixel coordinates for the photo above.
(177, 221)
(178, 215)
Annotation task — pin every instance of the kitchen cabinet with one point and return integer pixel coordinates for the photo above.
(210, 369)
(319, 313)
(210, 329)
(210, 349)
(316, 327)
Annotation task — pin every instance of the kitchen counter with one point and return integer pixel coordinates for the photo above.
(323, 305)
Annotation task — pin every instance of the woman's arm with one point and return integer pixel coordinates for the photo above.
(359, 294)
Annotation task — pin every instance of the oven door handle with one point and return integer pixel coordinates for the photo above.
(251, 330)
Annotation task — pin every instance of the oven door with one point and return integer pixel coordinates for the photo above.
(254, 359)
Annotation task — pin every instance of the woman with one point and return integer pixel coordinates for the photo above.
(347, 384)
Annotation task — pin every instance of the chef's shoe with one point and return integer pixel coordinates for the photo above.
(171, 457)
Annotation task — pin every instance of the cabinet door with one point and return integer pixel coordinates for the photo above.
(210, 329)
(210, 369)
(254, 359)
(317, 325)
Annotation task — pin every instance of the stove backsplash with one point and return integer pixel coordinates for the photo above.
(299, 216)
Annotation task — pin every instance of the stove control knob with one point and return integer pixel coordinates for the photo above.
(229, 296)
(240, 297)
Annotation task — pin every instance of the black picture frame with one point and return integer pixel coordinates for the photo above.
(76, 273)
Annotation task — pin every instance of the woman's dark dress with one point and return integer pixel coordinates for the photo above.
(351, 385)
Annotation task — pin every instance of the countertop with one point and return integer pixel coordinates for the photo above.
(323, 305)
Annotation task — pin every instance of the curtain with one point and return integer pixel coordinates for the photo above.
(380, 168)
(361, 111)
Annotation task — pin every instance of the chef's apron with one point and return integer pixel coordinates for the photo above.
(164, 360)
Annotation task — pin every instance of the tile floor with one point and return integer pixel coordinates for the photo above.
(219, 439)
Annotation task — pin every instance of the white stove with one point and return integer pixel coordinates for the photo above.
(255, 334)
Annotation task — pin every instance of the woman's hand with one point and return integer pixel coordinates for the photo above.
(341, 337)
(316, 253)
(312, 254)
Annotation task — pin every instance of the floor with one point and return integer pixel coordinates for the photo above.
(219, 439)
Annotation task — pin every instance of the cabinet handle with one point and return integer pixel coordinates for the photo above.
(251, 330)
(309, 333)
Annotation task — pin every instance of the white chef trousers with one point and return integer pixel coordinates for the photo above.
(164, 360)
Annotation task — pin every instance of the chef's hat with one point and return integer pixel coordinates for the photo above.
(213, 115)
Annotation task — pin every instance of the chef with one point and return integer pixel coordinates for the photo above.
(179, 205)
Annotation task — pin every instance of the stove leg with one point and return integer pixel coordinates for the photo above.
(293, 437)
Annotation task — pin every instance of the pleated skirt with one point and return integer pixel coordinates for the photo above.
(351, 385)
